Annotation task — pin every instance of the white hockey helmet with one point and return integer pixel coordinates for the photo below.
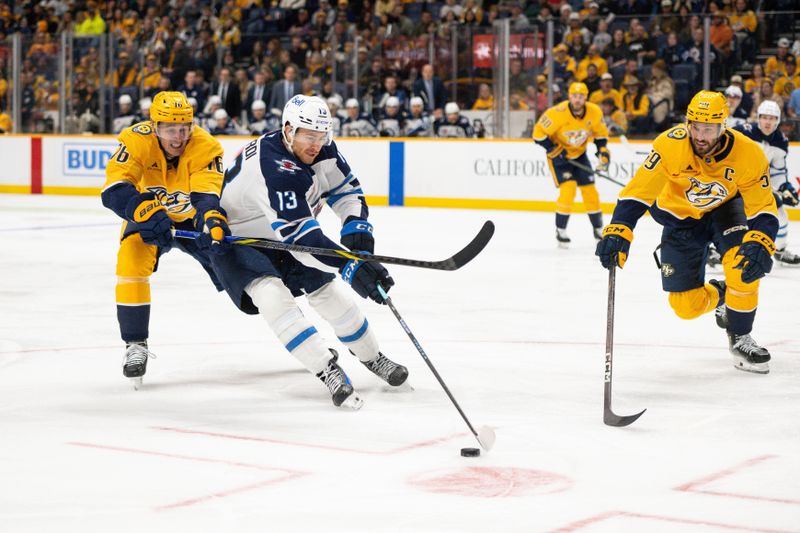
(125, 100)
(451, 108)
(258, 104)
(393, 101)
(770, 108)
(220, 114)
(309, 112)
(416, 101)
(350, 103)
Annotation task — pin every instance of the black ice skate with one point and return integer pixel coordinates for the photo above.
(386, 369)
(134, 364)
(787, 258)
(747, 355)
(721, 312)
(338, 384)
(562, 238)
(713, 260)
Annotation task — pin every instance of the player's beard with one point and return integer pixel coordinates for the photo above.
(707, 147)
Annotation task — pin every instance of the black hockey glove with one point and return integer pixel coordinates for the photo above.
(788, 194)
(357, 235)
(364, 278)
(213, 228)
(613, 247)
(756, 256)
(151, 219)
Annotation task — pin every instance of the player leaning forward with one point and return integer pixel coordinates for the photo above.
(275, 189)
(705, 183)
(164, 173)
(564, 131)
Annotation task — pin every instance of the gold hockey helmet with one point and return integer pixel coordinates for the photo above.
(578, 88)
(708, 106)
(171, 106)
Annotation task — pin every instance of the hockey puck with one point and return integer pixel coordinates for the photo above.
(470, 452)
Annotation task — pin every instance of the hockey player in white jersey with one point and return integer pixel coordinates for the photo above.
(418, 123)
(775, 144)
(275, 189)
(453, 124)
(392, 120)
(357, 124)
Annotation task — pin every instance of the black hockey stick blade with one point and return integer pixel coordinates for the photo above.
(612, 419)
(464, 256)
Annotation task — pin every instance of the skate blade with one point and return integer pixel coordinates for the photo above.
(755, 368)
(788, 264)
(402, 388)
(352, 402)
(137, 383)
(563, 245)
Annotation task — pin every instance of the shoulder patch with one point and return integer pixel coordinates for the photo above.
(143, 129)
(677, 133)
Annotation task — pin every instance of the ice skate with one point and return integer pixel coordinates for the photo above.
(134, 364)
(787, 258)
(721, 312)
(386, 369)
(748, 355)
(338, 384)
(562, 238)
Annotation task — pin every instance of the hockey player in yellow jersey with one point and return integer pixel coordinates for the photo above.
(705, 183)
(165, 173)
(564, 131)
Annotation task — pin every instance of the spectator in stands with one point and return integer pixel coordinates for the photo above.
(576, 28)
(451, 6)
(793, 105)
(223, 125)
(636, 106)
(563, 65)
(6, 124)
(516, 101)
(672, 51)
(228, 90)
(592, 58)
(418, 123)
(357, 124)
(144, 110)
(721, 36)
(453, 124)
(602, 39)
(258, 91)
(790, 77)
(747, 98)
(606, 91)
(431, 89)
(125, 115)
(150, 75)
(392, 88)
(179, 62)
(485, 99)
(258, 123)
(592, 80)
(661, 91)
(666, 21)
(737, 114)
(744, 23)
(764, 92)
(518, 79)
(640, 44)
(191, 87)
(536, 97)
(283, 90)
(777, 63)
(125, 75)
(614, 119)
(617, 52)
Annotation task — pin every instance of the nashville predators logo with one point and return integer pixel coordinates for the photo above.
(576, 138)
(176, 202)
(705, 195)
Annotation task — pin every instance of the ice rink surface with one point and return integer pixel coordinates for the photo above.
(230, 434)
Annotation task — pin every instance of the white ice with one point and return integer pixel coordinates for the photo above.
(230, 434)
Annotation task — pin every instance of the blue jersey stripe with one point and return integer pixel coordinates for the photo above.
(358, 334)
(300, 338)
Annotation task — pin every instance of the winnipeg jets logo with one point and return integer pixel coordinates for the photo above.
(576, 138)
(287, 165)
(175, 202)
(705, 195)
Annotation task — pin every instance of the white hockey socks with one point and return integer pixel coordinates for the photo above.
(347, 320)
(276, 304)
(783, 229)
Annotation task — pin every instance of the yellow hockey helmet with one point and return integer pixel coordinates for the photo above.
(171, 106)
(578, 88)
(708, 106)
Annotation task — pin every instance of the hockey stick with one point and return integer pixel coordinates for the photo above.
(595, 172)
(485, 436)
(609, 418)
(464, 256)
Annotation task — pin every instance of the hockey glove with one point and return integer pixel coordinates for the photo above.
(213, 228)
(357, 235)
(613, 247)
(756, 256)
(788, 194)
(604, 158)
(364, 278)
(151, 219)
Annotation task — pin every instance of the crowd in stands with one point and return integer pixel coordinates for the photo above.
(240, 60)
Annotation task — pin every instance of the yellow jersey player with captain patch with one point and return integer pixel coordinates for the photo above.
(165, 173)
(565, 131)
(705, 183)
